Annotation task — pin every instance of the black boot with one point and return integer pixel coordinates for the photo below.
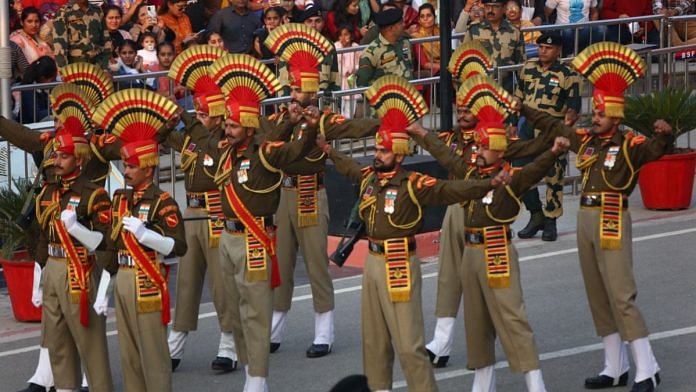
(536, 223)
(550, 233)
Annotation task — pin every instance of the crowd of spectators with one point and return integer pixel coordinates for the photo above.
(130, 37)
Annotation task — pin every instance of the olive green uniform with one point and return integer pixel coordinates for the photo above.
(491, 310)
(81, 36)
(142, 335)
(393, 211)
(553, 90)
(384, 58)
(69, 342)
(255, 177)
(612, 170)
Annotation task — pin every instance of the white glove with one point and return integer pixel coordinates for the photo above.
(147, 237)
(36, 290)
(101, 303)
(90, 239)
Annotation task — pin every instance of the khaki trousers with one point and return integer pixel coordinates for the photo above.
(252, 304)
(312, 242)
(495, 312)
(142, 340)
(67, 341)
(449, 286)
(608, 275)
(191, 275)
(389, 327)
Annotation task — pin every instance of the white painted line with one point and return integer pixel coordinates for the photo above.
(554, 355)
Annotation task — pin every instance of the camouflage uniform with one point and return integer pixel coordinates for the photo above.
(553, 91)
(384, 58)
(506, 45)
(80, 36)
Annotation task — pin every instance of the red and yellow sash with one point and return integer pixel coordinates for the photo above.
(398, 269)
(149, 268)
(307, 187)
(610, 221)
(255, 271)
(216, 223)
(497, 257)
(77, 269)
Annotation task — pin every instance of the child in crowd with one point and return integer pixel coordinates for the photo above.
(347, 66)
(162, 84)
(148, 41)
(127, 62)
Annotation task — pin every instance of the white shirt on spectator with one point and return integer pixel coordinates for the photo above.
(571, 11)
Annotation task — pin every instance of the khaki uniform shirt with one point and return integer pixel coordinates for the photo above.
(553, 90)
(384, 58)
(80, 36)
(397, 211)
(616, 159)
(90, 202)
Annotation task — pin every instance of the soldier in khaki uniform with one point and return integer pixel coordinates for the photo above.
(79, 35)
(548, 85)
(203, 208)
(303, 214)
(389, 54)
(146, 225)
(249, 177)
(73, 213)
(391, 206)
(504, 41)
(609, 160)
(490, 274)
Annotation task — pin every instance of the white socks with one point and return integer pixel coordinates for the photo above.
(254, 384)
(176, 342)
(484, 380)
(534, 381)
(226, 349)
(280, 320)
(646, 365)
(323, 328)
(441, 345)
(615, 357)
(43, 375)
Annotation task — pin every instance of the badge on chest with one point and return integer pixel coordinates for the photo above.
(144, 211)
(73, 203)
(208, 161)
(243, 172)
(610, 158)
(390, 200)
(488, 199)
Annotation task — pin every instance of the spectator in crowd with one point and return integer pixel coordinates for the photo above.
(162, 84)
(35, 103)
(272, 18)
(390, 53)
(503, 41)
(16, 8)
(416, 4)
(27, 37)
(128, 8)
(196, 12)
(176, 21)
(622, 33)
(471, 13)
(567, 12)
(373, 31)
(513, 13)
(18, 62)
(236, 24)
(148, 43)
(211, 38)
(533, 11)
(292, 12)
(143, 22)
(127, 63)
(79, 35)
(682, 32)
(347, 67)
(410, 15)
(345, 12)
(113, 16)
(427, 54)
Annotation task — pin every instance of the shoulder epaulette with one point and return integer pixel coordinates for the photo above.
(337, 119)
(584, 133)
(168, 209)
(633, 139)
(164, 196)
(268, 146)
(366, 170)
(421, 180)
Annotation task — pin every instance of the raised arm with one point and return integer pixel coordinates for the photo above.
(429, 190)
(444, 155)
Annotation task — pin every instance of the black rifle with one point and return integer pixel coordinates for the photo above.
(345, 246)
(27, 215)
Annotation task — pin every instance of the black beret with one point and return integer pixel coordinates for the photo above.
(550, 39)
(388, 17)
(309, 12)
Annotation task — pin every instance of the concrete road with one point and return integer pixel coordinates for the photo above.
(664, 249)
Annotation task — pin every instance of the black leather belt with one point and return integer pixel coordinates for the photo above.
(595, 200)
(291, 181)
(237, 226)
(196, 200)
(378, 247)
(477, 238)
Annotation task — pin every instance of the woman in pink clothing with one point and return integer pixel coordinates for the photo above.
(27, 37)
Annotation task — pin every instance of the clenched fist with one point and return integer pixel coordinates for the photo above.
(503, 178)
(560, 145)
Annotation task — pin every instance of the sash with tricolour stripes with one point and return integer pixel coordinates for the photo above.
(497, 257)
(610, 216)
(397, 258)
(216, 223)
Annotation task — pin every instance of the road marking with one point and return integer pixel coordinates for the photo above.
(349, 289)
(569, 352)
